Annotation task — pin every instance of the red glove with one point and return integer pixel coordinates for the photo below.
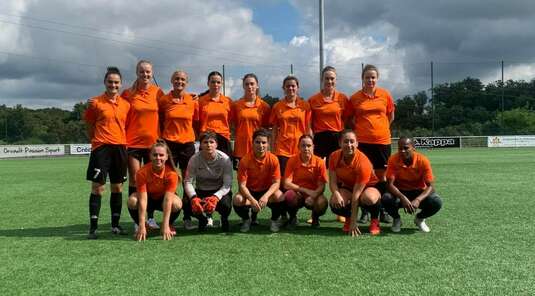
(196, 206)
(210, 203)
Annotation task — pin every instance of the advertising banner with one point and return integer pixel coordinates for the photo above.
(10, 151)
(511, 141)
(77, 149)
(437, 142)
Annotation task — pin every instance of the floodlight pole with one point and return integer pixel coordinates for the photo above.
(432, 102)
(321, 30)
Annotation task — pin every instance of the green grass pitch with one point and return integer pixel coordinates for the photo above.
(481, 243)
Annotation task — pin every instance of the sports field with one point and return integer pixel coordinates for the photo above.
(481, 243)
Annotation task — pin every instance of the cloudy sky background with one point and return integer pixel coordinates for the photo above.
(54, 53)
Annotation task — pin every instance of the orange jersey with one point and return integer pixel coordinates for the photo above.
(178, 118)
(142, 126)
(156, 184)
(215, 115)
(259, 174)
(359, 171)
(107, 120)
(372, 123)
(291, 124)
(327, 115)
(247, 119)
(410, 177)
(306, 175)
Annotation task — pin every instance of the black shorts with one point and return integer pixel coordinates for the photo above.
(283, 160)
(236, 162)
(223, 145)
(141, 154)
(257, 194)
(378, 154)
(107, 159)
(326, 143)
(154, 204)
(181, 152)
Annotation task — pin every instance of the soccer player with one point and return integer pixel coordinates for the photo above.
(106, 118)
(208, 182)
(142, 126)
(327, 109)
(290, 118)
(215, 112)
(372, 109)
(410, 186)
(352, 181)
(304, 179)
(248, 115)
(156, 184)
(179, 115)
(259, 183)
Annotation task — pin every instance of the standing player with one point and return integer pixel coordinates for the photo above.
(142, 126)
(327, 108)
(352, 181)
(179, 115)
(290, 118)
(106, 117)
(249, 114)
(372, 109)
(156, 184)
(259, 183)
(304, 178)
(208, 182)
(215, 112)
(410, 186)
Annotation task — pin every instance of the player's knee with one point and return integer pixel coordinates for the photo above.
(97, 188)
(132, 201)
(239, 200)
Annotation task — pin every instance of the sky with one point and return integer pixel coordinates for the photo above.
(54, 53)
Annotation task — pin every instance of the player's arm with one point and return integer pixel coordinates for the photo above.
(336, 199)
(425, 193)
(405, 202)
(142, 211)
(263, 201)
(167, 207)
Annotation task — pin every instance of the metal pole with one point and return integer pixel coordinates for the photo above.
(224, 89)
(321, 29)
(502, 102)
(432, 101)
(292, 69)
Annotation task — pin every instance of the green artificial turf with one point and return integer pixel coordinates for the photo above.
(481, 243)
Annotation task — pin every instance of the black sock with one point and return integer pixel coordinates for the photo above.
(134, 214)
(150, 214)
(292, 212)
(276, 210)
(374, 210)
(116, 204)
(242, 211)
(186, 206)
(131, 189)
(173, 217)
(254, 216)
(94, 210)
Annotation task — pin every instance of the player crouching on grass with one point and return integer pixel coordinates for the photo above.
(352, 181)
(304, 178)
(410, 186)
(259, 183)
(156, 184)
(106, 119)
(211, 171)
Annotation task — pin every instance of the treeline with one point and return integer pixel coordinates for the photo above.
(462, 108)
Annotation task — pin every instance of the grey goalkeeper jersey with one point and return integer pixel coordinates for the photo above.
(209, 175)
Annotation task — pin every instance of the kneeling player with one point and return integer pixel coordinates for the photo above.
(259, 183)
(352, 181)
(304, 178)
(410, 186)
(156, 184)
(211, 171)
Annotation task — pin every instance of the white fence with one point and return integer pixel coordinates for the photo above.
(13, 151)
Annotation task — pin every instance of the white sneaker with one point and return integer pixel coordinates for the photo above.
(136, 228)
(396, 225)
(275, 226)
(246, 225)
(151, 223)
(210, 222)
(421, 225)
(188, 225)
